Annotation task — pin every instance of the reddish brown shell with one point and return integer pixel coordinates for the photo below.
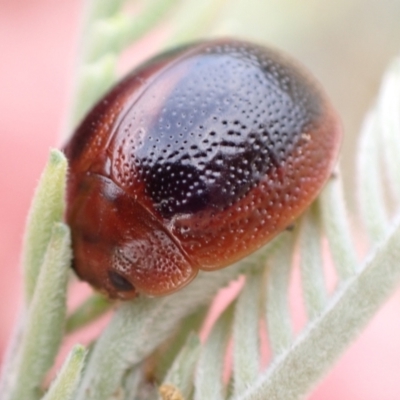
(193, 161)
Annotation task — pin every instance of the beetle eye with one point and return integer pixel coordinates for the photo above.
(119, 282)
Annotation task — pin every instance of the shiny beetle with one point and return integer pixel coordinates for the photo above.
(196, 159)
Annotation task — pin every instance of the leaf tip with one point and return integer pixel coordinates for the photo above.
(57, 158)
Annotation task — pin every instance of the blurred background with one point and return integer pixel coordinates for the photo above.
(347, 44)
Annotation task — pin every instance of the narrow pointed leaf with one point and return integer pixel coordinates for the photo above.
(150, 322)
(336, 225)
(180, 375)
(45, 322)
(311, 263)
(246, 352)
(46, 209)
(66, 383)
(297, 370)
(278, 317)
(208, 379)
(371, 199)
(388, 124)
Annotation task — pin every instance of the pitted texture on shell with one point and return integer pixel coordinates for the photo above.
(158, 254)
(222, 120)
(223, 143)
(230, 143)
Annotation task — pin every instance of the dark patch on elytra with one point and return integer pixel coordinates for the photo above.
(234, 115)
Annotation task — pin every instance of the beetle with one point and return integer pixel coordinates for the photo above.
(194, 160)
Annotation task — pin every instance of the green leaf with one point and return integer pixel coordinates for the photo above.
(180, 375)
(150, 322)
(246, 353)
(93, 82)
(312, 274)
(108, 30)
(168, 351)
(44, 327)
(208, 378)
(277, 302)
(371, 197)
(99, 9)
(66, 383)
(388, 125)
(336, 225)
(293, 374)
(46, 209)
(91, 309)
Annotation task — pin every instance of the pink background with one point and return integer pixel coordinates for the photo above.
(37, 44)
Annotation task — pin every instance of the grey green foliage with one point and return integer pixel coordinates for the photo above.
(66, 383)
(164, 332)
(47, 208)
